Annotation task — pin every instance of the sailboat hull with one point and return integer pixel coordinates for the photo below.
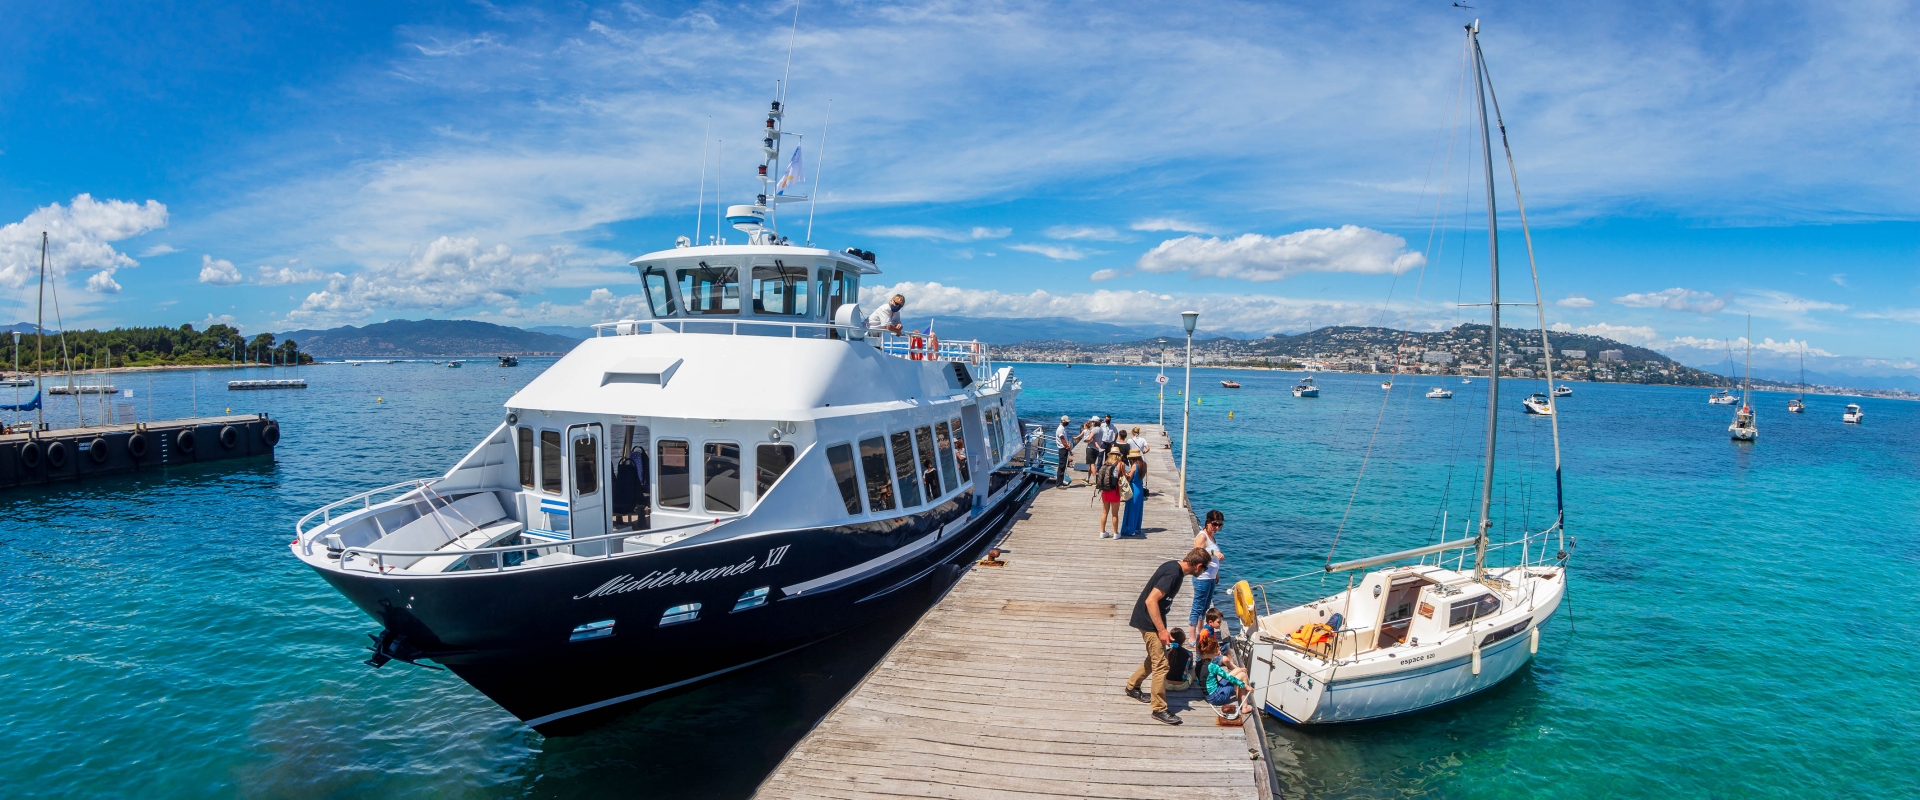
(1397, 694)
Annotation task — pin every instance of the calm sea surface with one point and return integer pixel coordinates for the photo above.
(1734, 630)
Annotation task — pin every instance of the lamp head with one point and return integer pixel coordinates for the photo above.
(1189, 319)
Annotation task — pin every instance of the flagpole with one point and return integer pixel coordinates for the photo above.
(819, 167)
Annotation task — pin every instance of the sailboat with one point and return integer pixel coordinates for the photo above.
(1798, 404)
(1743, 429)
(1401, 639)
(1306, 388)
(1725, 397)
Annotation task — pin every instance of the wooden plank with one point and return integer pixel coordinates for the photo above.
(1011, 685)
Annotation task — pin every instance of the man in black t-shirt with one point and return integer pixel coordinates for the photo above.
(1150, 618)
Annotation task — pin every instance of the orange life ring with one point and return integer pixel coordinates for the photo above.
(914, 345)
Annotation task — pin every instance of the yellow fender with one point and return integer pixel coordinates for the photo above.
(1243, 603)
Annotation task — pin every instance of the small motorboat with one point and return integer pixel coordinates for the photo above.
(16, 380)
(1229, 385)
(1538, 403)
(1796, 405)
(1466, 380)
(1723, 398)
(1563, 390)
(1386, 384)
(1853, 415)
(453, 365)
(509, 361)
(1439, 393)
(1306, 388)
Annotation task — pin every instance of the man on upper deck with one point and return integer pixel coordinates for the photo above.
(887, 317)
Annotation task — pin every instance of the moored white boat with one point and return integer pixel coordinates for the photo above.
(1440, 393)
(1401, 639)
(1563, 390)
(1723, 398)
(1743, 429)
(1306, 388)
(1853, 415)
(1538, 404)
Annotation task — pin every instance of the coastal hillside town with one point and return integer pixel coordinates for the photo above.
(1461, 350)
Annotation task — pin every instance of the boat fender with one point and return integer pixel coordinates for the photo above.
(56, 454)
(1533, 641)
(1476, 660)
(97, 450)
(30, 454)
(270, 434)
(1243, 603)
(185, 441)
(229, 437)
(137, 446)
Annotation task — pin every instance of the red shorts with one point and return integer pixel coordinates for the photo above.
(1110, 496)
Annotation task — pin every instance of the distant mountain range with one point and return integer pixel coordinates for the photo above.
(404, 338)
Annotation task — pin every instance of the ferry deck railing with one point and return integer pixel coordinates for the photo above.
(365, 499)
(915, 347)
(527, 550)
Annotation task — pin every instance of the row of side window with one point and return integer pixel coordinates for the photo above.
(928, 461)
(775, 290)
(721, 469)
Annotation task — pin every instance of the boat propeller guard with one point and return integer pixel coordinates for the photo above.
(390, 646)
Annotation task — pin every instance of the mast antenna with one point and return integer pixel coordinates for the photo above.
(1493, 330)
(700, 205)
(790, 37)
(40, 340)
(820, 166)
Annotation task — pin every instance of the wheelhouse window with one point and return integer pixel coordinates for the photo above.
(710, 290)
(770, 461)
(960, 450)
(550, 461)
(929, 470)
(840, 458)
(993, 434)
(526, 457)
(721, 478)
(873, 464)
(676, 490)
(1465, 611)
(586, 466)
(941, 435)
(903, 470)
(780, 290)
(831, 295)
(659, 294)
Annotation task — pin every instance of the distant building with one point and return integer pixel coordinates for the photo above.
(1613, 355)
(1530, 350)
(1437, 357)
(1522, 372)
(1573, 353)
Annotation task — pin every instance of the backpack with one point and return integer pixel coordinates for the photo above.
(1107, 479)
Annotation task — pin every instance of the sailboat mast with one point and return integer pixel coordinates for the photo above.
(1493, 332)
(1746, 384)
(40, 340)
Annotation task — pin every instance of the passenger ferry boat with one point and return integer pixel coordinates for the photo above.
(742, 473)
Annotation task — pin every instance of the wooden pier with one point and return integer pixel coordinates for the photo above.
(1011, 686)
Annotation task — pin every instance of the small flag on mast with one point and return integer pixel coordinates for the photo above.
(796, 175)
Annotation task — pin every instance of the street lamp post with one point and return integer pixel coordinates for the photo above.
(1162, 380)
(1188, 319)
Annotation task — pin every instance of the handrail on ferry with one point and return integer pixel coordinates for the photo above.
(366, 501)
(971, 351)
(500, 565)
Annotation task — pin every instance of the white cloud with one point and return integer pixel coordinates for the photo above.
(1091, 233)
(1574, 301)
(79, 237)
(1675, 299)
(1244, 314)
(938, 234)
(289, 275)
(1254, 257)
(1766, 345)
(1901, 314)
(1637, 335)
(218, 271)
(1154, 224)
(1779, 305)
(1103, 275)
(211, 320)
(158, 250)
(102, 282)
(446, 276)
(1057, 252)
(1839, 279)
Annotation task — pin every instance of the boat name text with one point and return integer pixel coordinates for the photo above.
(671, 577)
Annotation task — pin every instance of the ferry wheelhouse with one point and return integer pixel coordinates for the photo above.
(745, 471)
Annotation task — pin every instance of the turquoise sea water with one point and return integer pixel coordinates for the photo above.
(1737, 611)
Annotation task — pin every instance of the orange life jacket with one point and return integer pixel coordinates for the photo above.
(1311, 635)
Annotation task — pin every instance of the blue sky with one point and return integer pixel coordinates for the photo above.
(1277, 166)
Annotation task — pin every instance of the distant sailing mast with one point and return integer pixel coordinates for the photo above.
(1799, 403)
(1743, 428)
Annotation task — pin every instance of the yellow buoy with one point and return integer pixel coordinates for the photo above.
(1229, 415)
(377, 400)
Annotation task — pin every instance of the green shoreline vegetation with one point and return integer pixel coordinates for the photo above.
(219, 344)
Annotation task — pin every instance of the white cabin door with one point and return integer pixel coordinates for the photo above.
(586, 487)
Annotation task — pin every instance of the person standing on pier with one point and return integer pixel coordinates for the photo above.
(1065, 444)
(1203, 585)
(1135, 502)
(1150, 619)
